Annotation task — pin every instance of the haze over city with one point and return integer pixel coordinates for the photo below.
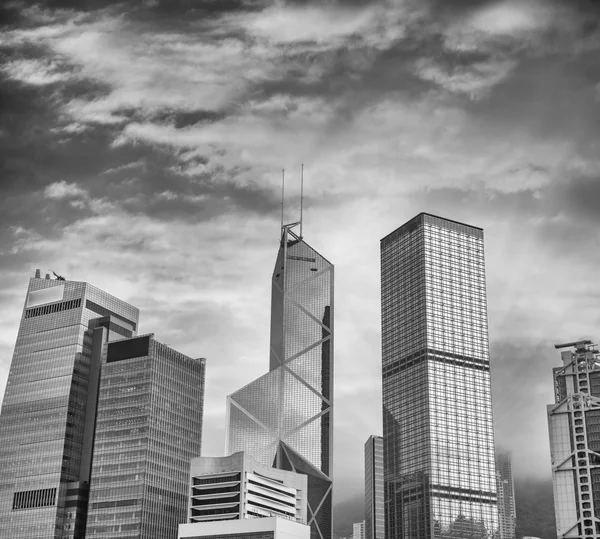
(142, 152)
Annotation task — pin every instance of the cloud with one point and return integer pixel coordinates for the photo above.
(508, 17)
(35, 72)
(474, 80)
(285, 24)
(63, 189)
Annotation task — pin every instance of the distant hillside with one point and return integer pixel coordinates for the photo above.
(535, 508)
(533, 497)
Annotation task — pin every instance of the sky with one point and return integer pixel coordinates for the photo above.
(142, 145)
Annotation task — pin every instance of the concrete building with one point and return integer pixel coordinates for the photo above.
(374, 512)
(238, 487)
(358, 530)
(253, 528)
(49, 407)
(284, 418)
(438, 438)
(574, 427)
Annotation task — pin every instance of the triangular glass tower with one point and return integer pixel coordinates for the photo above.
(283, 418)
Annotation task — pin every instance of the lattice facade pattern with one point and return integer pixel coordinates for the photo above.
(574, 427)
(283, 419)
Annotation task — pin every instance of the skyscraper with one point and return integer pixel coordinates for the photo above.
(574, 426)
(46, 424)
(374, 513)
(439, 471)
(283, 419)
(506, 495)
(148, 428)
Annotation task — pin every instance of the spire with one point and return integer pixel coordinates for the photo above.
(282, 190)
(301, 195)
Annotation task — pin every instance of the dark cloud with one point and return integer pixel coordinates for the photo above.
(181, 119)
(579, 199)
(546, 97)
(163, 11)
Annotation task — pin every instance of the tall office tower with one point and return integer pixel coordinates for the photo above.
(148, 428)
(438, 439)
(506, 495)
(574, 426)
(47, 419)
(283, 419)
(374, 514)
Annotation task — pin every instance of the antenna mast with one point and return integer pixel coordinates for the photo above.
(301, 195)
(282, 188)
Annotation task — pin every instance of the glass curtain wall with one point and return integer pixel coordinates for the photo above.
(44, 469)
(440, 478)
(149, 427)
(283, 419)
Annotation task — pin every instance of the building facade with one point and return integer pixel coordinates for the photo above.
(358, 530)
(574, 427)
(48, 412)
(148, 428)
(374, 512)
(439, 470)
(284, 418)
(507, 514)
(254, 528)
(238, 487)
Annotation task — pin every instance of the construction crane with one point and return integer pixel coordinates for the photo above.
(578, 344)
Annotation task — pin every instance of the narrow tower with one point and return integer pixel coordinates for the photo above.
(374, 515)
(506, 495)
(439, 471)
(283, 419)
(574, 426)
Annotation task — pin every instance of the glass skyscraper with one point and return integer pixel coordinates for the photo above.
(46, 423)
(574, 427)
(374, 512)
(148, 428)
(439, 470)
(283, 419)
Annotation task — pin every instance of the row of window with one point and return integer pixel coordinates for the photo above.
(30, 499)
(53, 308)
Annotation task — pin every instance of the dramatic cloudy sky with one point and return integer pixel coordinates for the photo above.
(142, 144)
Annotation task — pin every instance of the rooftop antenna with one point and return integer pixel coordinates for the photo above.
(282, 189)
(301, 195)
